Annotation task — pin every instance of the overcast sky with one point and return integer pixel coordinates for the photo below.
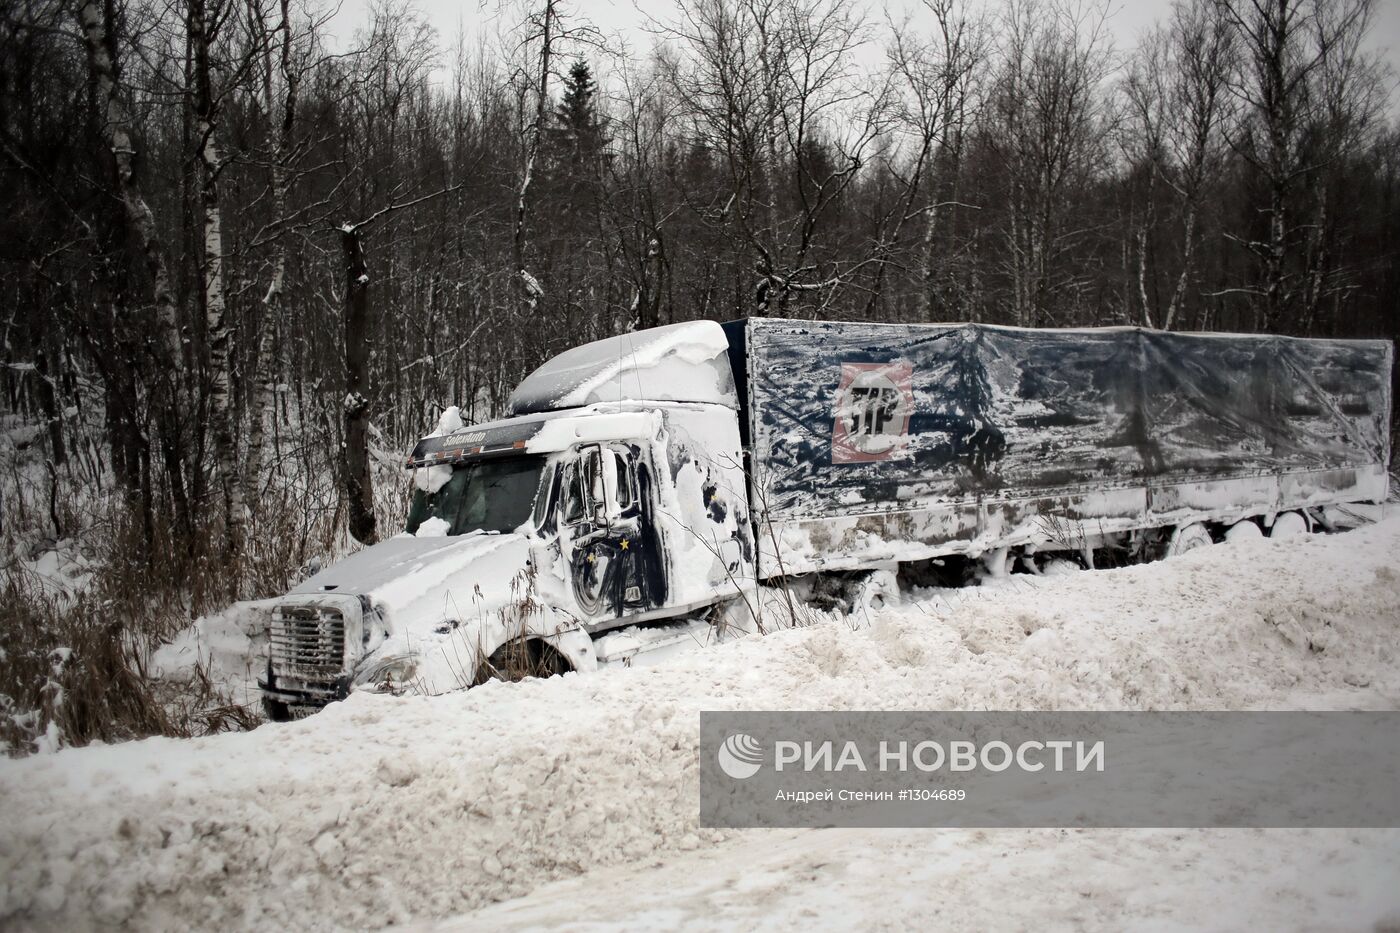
(625, 20)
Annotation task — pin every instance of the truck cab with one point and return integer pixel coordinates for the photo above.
(611, 497)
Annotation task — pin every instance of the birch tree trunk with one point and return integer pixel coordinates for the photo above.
(95, 21)
(1188, 258)
(117, 133)
(221, 407)
(526, 285)
(264, 364)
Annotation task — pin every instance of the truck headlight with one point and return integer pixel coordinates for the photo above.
(388, 674)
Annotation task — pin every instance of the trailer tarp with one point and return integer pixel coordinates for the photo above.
(846, 417)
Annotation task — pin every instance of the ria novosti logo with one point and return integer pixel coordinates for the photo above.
(740, 756)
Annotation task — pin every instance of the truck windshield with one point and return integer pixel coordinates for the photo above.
(488, 495)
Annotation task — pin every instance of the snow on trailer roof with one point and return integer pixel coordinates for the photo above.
(676, 363)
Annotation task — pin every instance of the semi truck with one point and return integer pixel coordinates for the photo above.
(640, 483)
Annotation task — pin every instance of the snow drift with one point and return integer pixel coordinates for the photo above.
(382, 810)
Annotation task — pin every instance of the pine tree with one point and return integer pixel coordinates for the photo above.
(579, 131)
(569, 210)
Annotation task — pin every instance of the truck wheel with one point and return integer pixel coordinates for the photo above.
(276, 710)
(1289, 525)
(519, 659)
(874, 590)
(1055, 566)
(996, 563)
(1188, 538)
(1246, 530)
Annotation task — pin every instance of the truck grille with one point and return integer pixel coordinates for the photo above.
(308, 642)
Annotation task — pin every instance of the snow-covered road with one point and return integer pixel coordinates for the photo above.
(1043, 879)
(577, 796)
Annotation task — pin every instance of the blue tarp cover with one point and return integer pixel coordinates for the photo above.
(846, 414)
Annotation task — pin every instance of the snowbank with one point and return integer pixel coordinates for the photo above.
(61, 571)
(228, 647)
(383, 810)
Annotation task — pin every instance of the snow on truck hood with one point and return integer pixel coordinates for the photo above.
(414, 579)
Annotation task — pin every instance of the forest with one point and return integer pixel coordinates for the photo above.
(245, 265)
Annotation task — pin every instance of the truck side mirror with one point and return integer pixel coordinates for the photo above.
(613, 508)
(595, 481)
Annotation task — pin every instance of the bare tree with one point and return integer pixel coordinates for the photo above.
(936, 81)
(1048, 125)
(203, 26)
(96, 20)
(1178, 108)
(546, 30)
(635, 208)
(770, 85)
(286, 77)
(1299, 65)
(1350, 102)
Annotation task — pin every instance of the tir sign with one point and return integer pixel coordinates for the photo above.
(871, 417)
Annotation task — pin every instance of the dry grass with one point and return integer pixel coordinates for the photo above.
(70, 674)
(75, 665)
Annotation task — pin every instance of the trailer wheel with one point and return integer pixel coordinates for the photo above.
(1246, 530)
(1057, 566)
(874, 590)
(1289, 525)
(521, 658)
(1188, 538)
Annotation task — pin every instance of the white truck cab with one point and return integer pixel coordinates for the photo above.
(614, 495)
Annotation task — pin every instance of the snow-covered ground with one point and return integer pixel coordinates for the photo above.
(574, 800)
(1041, 879)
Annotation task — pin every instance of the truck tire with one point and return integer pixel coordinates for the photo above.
(1056, 566)
(1289, 525)
(1188, 538)
(1246, 530)
(875, 589)
(275, 710)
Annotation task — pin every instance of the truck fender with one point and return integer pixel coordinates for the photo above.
(577, 647)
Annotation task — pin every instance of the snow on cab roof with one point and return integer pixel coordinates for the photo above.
(686, 362)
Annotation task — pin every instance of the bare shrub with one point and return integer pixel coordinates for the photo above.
(70, 675)
(76, 663)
